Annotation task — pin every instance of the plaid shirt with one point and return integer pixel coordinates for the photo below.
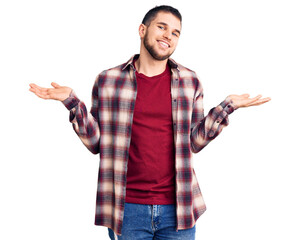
(107, 130)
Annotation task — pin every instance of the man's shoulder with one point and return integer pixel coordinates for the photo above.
(188, 76)
(185, 72)
(113, 71)
(119, 70)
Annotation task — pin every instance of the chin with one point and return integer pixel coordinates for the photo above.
(161, 57)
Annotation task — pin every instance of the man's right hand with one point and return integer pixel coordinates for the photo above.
(56, 93)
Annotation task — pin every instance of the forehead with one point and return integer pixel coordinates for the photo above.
(167, 18)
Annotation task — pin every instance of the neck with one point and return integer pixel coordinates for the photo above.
(149, 66)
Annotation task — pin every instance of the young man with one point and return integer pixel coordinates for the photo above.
(146, 120)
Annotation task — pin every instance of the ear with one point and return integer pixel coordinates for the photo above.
(142, 30)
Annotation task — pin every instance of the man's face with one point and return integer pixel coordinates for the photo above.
(161, 36)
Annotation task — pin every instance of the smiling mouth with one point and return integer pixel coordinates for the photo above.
(163, 44)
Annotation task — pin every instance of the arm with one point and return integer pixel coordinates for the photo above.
(205, 129)
(85, 124)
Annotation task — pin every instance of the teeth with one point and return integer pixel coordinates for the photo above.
(164, 44)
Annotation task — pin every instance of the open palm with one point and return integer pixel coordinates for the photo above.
(56, 93)
(244, 100)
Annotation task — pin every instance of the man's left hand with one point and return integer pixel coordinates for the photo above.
(244, 100)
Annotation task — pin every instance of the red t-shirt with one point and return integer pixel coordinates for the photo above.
(151, 163)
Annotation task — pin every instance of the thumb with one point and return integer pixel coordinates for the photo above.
(55, 85)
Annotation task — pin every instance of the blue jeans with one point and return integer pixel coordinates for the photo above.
(151, 222)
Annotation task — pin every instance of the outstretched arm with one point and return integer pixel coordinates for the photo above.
(206, 128)
(85, 124)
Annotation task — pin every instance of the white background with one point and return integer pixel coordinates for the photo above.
(249, 175)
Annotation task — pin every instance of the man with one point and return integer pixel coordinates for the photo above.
(146, 120)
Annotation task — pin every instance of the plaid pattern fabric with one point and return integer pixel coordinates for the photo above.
(106, 129)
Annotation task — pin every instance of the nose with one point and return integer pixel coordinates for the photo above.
(167, 34)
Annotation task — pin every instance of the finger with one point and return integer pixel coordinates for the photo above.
(44, 91)
(34, 86)
(32, 90)
(40, 94)
(257, 97)
(246, 95)
(55, 85)
(260, 101)
(253, 100)
(43, 96)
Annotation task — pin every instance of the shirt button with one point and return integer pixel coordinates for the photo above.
(174, 100)
(211, 133)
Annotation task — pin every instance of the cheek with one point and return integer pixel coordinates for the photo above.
(175, 44)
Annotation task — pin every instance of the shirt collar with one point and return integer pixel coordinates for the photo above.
(171, 62)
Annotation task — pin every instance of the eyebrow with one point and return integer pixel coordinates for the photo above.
(165, 24)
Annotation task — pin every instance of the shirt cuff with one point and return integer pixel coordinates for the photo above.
(72, 101)
(228, 105)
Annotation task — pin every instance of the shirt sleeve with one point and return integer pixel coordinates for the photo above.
(206, 128)
(85, 124)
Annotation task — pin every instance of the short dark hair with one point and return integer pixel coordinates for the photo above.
(151, 14)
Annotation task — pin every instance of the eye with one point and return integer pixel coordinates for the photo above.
(160, 27)
(175, 34)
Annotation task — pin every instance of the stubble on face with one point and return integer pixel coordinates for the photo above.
(150, 48)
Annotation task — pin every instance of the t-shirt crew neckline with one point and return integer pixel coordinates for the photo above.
(141, 75)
